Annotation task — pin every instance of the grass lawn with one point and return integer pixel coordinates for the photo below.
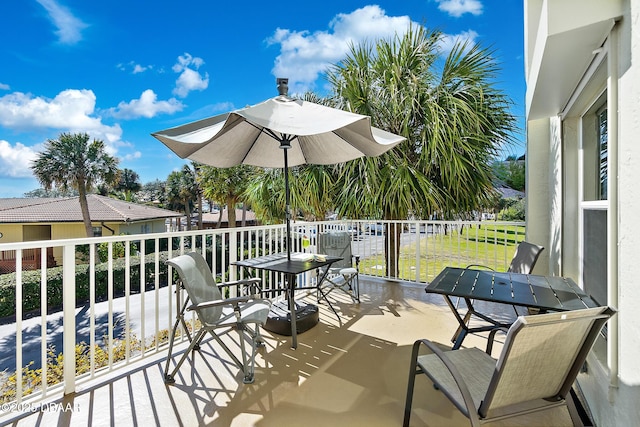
(487, 244)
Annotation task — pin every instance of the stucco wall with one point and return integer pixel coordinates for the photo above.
(11, 233)
(629, 198)
(612, 389)
(537, 189)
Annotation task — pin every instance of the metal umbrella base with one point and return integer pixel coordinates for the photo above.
(279, 318)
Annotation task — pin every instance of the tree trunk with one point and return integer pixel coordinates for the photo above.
(84, 207)
(219, 224)
(231, 212)
(200, 213)
(187, 212)
(392, 247)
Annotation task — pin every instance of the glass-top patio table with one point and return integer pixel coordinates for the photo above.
(546, 293)
(299, 263)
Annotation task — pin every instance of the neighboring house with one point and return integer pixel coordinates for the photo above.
(583, 176)
(507, 192)
(31, 219)
(210, 220)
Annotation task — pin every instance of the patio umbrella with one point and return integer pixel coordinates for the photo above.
(278, 133)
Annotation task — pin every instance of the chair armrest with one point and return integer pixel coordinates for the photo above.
(254, 284)
(253, 280)
(471, 411)
(220, 302)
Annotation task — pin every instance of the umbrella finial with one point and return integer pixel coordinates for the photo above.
(283, 86)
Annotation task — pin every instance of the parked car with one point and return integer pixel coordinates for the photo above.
(375, 229)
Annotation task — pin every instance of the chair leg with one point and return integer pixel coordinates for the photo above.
(410, 385)
(246, 369)
(169, 378)
(172, 334)
(356, 289)
(172, 337)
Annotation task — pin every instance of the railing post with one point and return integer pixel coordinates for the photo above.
(69, 317)
(233, 254)
(418, 254)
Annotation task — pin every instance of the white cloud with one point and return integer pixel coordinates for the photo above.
(132, 156)
(190, 79)
(146, 106)
(135, 68)
(304, 55)
(15, 160)
(4, 86)
(71, 110)
(458, 8)
(448, 40)
(69, 28)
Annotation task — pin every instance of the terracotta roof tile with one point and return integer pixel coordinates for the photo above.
(67, 209)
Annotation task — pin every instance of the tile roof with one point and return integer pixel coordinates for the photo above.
(67, 209)
(213, 217)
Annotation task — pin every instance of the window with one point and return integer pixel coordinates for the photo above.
(603, 138)
(97, 231)
(595, 208)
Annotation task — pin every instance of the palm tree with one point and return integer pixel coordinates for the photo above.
(448, 108)
(129, 183)
(182, 190)
(225, 185)
(72, 161)
(154, 192)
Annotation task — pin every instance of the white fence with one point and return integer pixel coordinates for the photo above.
(110, 302)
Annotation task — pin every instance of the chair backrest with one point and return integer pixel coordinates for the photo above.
(525, 258)
(542, 356)
(198, 281)
(336, 243)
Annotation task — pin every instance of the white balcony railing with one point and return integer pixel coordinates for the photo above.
(109, 301)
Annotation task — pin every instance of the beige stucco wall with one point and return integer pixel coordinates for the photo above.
(14, 232)
(612, 389)
(537, 189)
(629, 198)
(11, 233)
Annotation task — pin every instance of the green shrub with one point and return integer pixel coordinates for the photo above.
(514, 210)
(31, 295)
(32, 378)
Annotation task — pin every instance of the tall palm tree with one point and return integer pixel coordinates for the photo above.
(128, 183)
(73, 161)
(448, 108)
(182, 190)
(225, 185)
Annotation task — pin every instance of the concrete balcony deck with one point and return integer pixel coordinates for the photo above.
(349, 375)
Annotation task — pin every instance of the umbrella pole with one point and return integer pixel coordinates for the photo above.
(287, 197)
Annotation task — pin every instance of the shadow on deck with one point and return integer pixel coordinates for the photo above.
(350, 375)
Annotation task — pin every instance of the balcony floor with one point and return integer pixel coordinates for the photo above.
(349, 375)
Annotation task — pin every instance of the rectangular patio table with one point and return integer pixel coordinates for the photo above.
(546, 293)
(291, 268)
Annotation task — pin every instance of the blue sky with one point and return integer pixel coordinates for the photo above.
(121, 69)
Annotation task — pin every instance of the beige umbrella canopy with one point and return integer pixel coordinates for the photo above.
(279, 132)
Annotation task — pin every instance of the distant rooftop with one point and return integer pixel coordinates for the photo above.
(67, 209)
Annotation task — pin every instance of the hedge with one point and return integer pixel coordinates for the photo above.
(31, 283)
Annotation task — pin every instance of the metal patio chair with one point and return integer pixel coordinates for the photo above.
(342, 275)
(541, 357)
(245, 313)
(523, 261)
